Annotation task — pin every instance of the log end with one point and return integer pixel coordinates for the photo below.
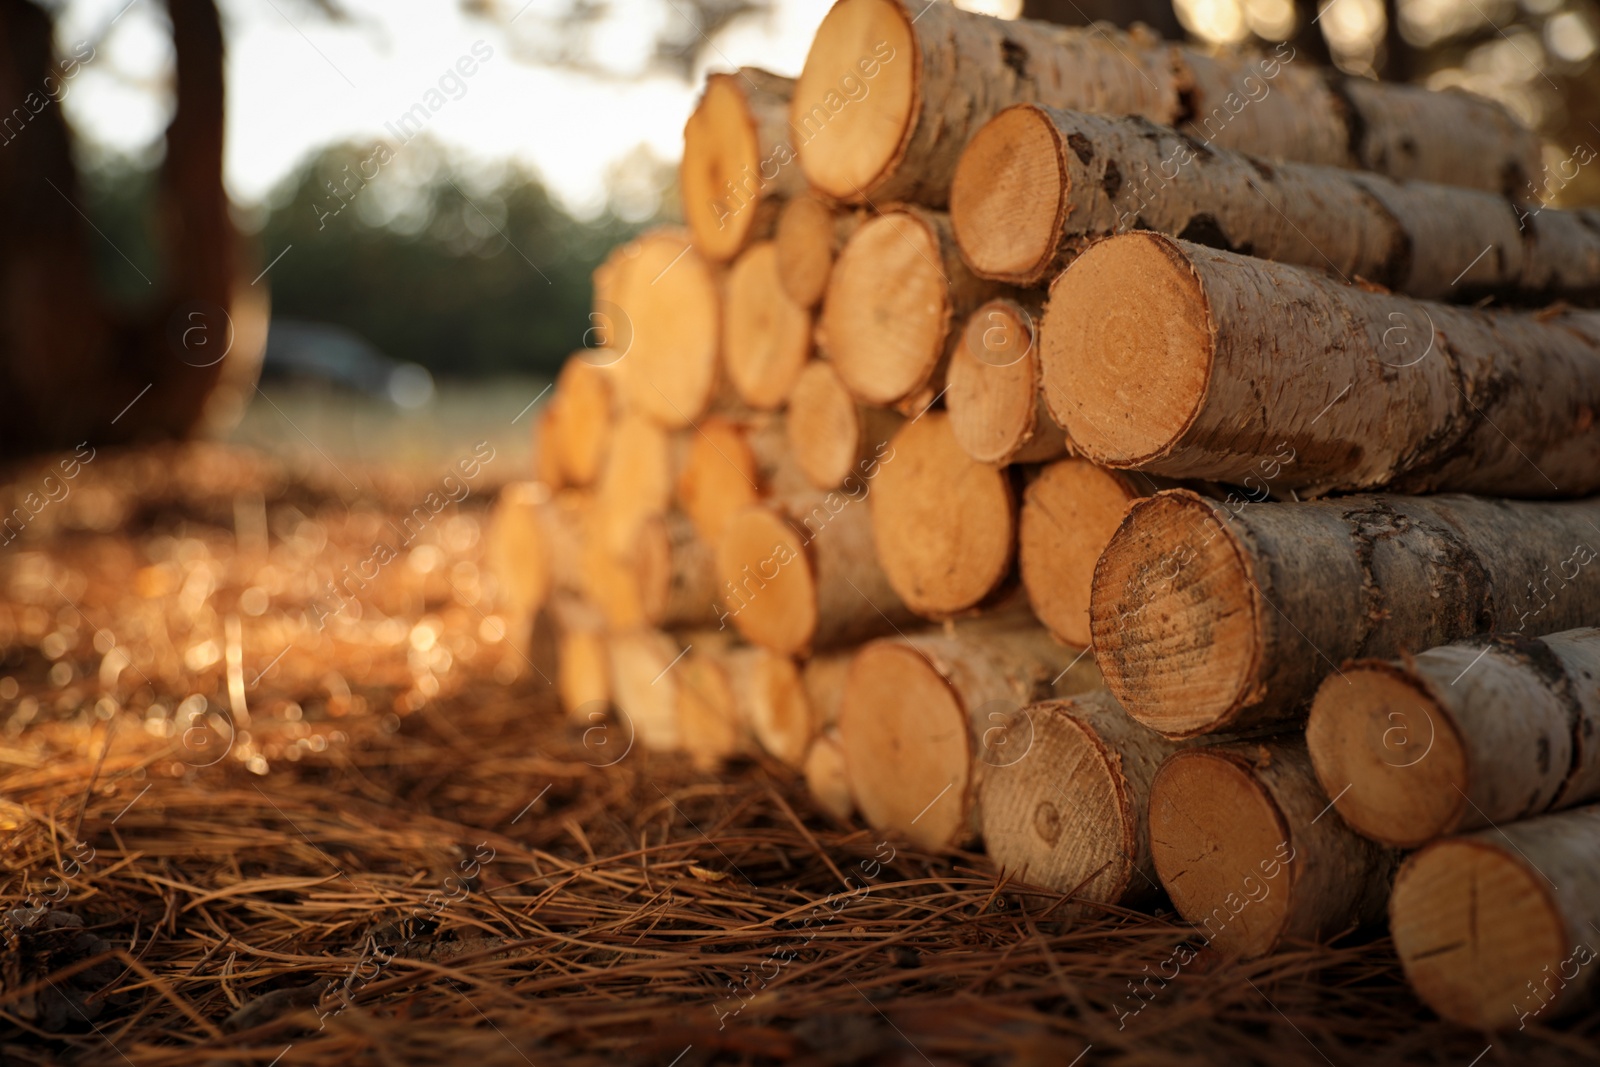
(765, 578)
(827, 779)
(766, 336)
(1069, 514)
(709, 727)
(1219, 843)
(652, 567)
(668, 329)
(887, 312)
(907, 746)
(1175, 617)
(1383, 745)
(856, 100)
(1126, 349)
(992, 386)
(779, 713)
(718, 478)
(719, 178)
(1008, 196)
(824, 427)
(1059, 816)
(805, 241)
(943, 524)
(644, 691)
(1475, 927)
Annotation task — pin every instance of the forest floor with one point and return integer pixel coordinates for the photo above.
(247, 820)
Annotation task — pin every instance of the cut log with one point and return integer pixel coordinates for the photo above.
(772, 703)
(1064, 799)
(943, 524)
(832, 436)
(645, 690)
(1190, 362)
(583, 670)
(766, 336)
(664, 304)
(582, 408)
(997, 409)
(827, 778)
(1474, 734)
(892, 90)
(643, 462)
(1037, 184)
(738, 165)
(610, 584)
(730, 464)
(810, 234)
(1069, 512)
(799, 574)
(915, 712)
(518, 553)
(1498, 927)
(677, 574)
(894, 299)
(712, 728)
(546, 466)
(1204, 621)
(1250, 851)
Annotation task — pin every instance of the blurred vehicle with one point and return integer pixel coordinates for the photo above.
(320, 353)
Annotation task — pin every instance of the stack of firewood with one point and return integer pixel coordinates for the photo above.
(988, 344)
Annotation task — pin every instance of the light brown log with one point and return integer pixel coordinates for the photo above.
(772, 703)
(583, 671)
(546, 465)
(661, 309)
(729, 464)
(676, 572)
(1478, 733)
(831, 435)
(799, 574)
(1069, 512)
(997, 409)
(915, 712)
(1191, 362)
(1250, 851)
(892, 90)
(766, 336)
(1202, 622)
(518, 553)
(895, 298)
(943, 524)
(1498, 928)
(810, 234)
(581, 413)
(644, 689)
(642, 465)
(827, 778)
(610, 584)
(712, 728)
(1065, 788)
(1037, 184)
(738, 165)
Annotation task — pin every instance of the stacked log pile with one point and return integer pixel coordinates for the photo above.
(1042, 438)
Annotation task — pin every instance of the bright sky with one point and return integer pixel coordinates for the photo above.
(297, 82)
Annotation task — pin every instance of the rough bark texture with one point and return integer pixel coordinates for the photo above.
(895, 299)
(832, 437)
(766, 336)
(1478, 733)
(1250, 851)
(1192, 362)
(915, 711)
(1037, 184)
(1069, 512)
(1207, 616)
(676, 572)
(933, 75)
(1498, 927)
(944, 526)
(1065, 786)
(738, 165)
(993, 393)
(810, 234)
(799, 574)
